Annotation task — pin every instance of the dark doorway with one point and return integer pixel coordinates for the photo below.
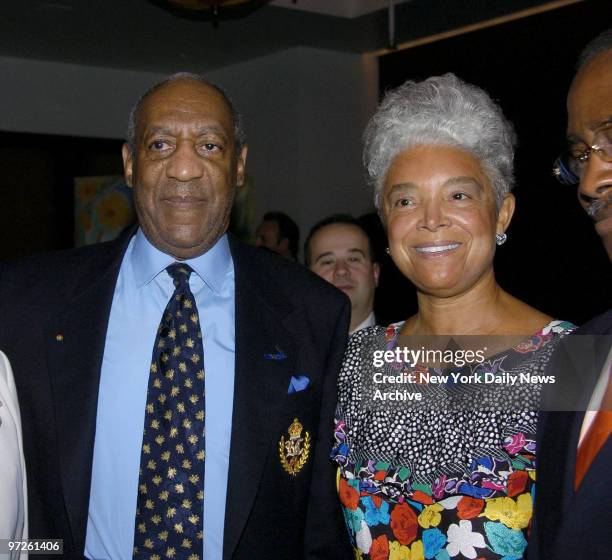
(37, 187)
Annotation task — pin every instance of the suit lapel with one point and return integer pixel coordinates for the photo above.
(596, 481)
(557, 439)
(75, 351)
(596, 475)
(577, 363)
(260, 388)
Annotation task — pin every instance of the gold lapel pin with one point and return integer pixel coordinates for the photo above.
(294, 451)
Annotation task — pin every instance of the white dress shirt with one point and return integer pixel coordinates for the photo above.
(597, 398)
(141, 294)
(369, 321)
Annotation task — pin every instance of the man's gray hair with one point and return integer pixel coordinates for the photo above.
(239, 134)
(440, 110)
(601, 43)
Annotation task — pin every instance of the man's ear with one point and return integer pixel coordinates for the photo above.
(127, 164)
(241, 166)
(504, 217)
(283, 244)
(376, 273)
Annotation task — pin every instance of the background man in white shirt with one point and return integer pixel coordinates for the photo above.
(339, 250)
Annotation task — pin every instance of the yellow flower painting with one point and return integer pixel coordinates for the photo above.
(103, 209)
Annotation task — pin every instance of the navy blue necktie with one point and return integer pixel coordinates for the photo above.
(169, 511)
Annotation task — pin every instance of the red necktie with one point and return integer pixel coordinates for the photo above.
(596, 437)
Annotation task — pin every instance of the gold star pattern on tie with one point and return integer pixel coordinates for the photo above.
(171, 477)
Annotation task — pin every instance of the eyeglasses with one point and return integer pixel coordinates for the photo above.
(570, 165)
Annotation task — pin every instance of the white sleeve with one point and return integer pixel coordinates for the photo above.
(13, 498)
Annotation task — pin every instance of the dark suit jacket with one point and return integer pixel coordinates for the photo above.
(568, 524)
(55, 310)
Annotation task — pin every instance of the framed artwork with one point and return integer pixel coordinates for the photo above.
(103, 208)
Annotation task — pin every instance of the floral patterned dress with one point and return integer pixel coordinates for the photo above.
(439, 484)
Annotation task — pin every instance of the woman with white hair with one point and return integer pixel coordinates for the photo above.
(451, 475)
(13, 502)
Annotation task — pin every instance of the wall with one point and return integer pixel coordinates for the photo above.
(52, 98)
(304, 108)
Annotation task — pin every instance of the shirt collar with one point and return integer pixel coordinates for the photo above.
(369, 321)
(212, 267)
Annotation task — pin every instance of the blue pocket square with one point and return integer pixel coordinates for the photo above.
(298, 383)
(278, 355)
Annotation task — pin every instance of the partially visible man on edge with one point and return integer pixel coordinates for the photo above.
(278, 233)
(574, 482)
(339, 250)
(178, 386)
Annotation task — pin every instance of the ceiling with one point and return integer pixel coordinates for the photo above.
(140, 35)
(338, 8)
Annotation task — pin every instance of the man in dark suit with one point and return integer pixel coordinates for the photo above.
(177, 386)
(574, 488)
(278, 233)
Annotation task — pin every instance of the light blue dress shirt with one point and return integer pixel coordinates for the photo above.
(141, 295)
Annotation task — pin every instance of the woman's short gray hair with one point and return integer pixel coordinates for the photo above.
(440, 110)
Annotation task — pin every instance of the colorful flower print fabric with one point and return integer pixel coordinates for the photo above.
(456, 484)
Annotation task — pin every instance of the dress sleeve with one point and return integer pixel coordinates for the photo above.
(13, 501)
(349, 393)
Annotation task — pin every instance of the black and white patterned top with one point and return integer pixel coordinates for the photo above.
(449, 474)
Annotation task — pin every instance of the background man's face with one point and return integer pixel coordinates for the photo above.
(267, 235)
(589, 107)
(340, 253)
(185, 170)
